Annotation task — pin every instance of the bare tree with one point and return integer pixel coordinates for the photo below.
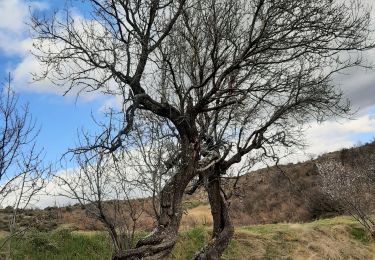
(120, 189)
(227, 78)
(102, 189)
(351, 183)
(22, 172)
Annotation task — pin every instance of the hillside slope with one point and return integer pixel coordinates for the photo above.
(337, 238)
(288, 193)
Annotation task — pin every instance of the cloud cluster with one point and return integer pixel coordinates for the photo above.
(16, 45)
(357, 85)
(333, 135)
(13, 28)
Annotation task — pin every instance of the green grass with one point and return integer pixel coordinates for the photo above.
(343, 220)
(359, 234)
(193, 240)
(336, 238)
(60, 244)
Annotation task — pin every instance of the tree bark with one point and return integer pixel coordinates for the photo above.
(223, 229)
(159, 244)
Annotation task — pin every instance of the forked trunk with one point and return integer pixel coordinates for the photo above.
(222, 226)
(159, 244)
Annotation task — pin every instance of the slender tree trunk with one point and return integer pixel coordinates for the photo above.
(222, 226)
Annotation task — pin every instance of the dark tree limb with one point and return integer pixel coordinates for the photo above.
(223, 229)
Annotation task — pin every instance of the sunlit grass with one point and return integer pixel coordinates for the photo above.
(335, 238)
(60, 244)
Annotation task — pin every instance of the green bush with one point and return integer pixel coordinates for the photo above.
(43, 244)
(358, 233)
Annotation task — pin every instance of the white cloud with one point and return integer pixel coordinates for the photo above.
(115, 102)
(15, 42)
(334, 135)
(23, 81)
(13, 28)
(12, 13)
(11, 44)
(127, 178)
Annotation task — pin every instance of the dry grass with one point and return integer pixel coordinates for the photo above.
(337, 238)
(198, 216)
(3, 234)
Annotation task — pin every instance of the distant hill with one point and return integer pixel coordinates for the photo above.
(284, 193)
(288, 193)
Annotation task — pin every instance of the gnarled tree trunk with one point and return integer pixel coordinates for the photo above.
(159, 244)
(223, 229)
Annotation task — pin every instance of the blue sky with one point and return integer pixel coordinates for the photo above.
(60, 117)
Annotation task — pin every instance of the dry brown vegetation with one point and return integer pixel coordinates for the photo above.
(284, 194)
(288, 193)
(335, 238)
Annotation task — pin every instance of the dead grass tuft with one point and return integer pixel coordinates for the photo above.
(195, 217)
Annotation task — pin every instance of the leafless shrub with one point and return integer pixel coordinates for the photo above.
(22, 171)
(351, 184)
(119, 189)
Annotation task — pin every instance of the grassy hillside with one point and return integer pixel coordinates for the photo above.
(288, 193)
(337, 238)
